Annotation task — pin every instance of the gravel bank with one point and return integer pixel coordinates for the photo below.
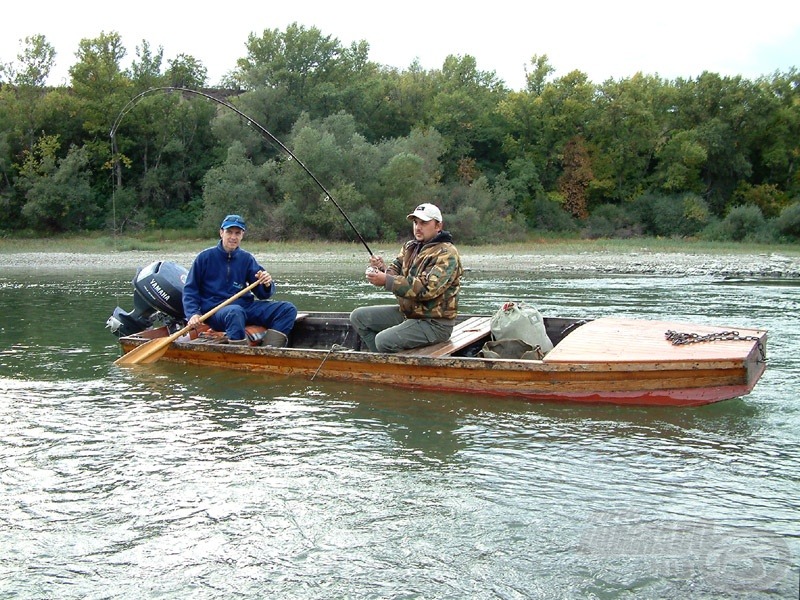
(772, 265)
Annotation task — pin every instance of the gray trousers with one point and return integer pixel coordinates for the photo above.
(386, 329)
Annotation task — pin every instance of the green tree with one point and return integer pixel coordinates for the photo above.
(186, 71)
(627, 130)
(464, 111)
(165, 146)
(313, 72)
(775, 139)
(146, 70)
(681, 162)
(716, 111)
(539, 125)
(58, 193)
(100, 89)
(536, 78)
(34, 63)
(99, 81)
(236, 186)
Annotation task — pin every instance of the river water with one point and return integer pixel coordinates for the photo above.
(171, 481)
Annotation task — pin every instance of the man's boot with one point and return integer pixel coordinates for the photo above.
(275, 338)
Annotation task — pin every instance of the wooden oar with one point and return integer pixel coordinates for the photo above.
(151, 351)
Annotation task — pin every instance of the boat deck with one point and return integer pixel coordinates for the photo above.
(610, 340)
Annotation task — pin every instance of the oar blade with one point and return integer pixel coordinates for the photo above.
(147, 353)
(154, 349)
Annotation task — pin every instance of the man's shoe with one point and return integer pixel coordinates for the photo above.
(275, 338)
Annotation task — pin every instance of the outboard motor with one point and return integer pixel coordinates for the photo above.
(157, 295)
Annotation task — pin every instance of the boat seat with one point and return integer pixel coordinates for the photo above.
(464, 333)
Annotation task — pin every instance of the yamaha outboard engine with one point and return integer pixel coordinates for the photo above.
(157, 295)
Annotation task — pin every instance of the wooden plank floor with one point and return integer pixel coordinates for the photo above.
(634, 340)
(464, 333)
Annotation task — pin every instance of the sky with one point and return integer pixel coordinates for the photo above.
(604, 39)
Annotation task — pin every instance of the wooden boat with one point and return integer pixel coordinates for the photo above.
(611, 360)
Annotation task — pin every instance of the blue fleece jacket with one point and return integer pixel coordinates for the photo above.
(216, 275)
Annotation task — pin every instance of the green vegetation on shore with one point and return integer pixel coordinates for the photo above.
(713, 157)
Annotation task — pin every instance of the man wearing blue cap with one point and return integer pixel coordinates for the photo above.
(222, 271)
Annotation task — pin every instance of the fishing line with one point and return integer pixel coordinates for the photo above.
(251, 122)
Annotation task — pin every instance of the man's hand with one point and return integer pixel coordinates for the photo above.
(377, 262)
(375, 277)
(194, 320)
(264, 278)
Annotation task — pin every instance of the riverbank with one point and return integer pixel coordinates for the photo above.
(767, 264)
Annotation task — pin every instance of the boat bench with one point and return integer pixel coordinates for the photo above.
(464, 333)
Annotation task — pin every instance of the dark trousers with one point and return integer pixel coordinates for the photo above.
(272, 314)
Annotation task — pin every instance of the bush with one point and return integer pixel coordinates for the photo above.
(610, 220)
(182, 218)
(768, 197)
(741, 223)
(465, 226)
(788, 223)
(546, 215)
(672, 216)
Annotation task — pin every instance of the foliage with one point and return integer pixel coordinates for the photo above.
(575, 179)
(671, 216)
(742, 223)
(635, 156)
(548, 215)
(768, 197)
(610, 220)
(34, 63)
(484, 214)
(788, 223)
(236, 186)
(58, 196)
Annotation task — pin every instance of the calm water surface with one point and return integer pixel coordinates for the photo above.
(180, 482)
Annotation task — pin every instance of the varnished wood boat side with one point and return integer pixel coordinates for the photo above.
(680, 383)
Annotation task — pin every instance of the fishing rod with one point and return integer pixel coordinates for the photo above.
(251, 122)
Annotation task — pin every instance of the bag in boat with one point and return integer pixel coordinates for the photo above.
(516, 321)
(511, 349)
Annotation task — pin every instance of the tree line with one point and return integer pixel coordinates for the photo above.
(712, 156)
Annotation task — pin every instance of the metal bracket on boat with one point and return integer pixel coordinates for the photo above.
(679, 339)
(332, 349)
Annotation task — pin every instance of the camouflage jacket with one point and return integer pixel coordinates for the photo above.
(426, 278)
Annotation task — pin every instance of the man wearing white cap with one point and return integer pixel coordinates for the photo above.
(425, 278)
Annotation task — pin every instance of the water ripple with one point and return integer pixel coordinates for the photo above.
(180, 482)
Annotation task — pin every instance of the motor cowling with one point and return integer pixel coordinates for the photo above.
(157, 296)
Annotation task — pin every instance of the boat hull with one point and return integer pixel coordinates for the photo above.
(618, 361)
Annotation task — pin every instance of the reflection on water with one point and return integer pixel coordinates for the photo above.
(186, 482)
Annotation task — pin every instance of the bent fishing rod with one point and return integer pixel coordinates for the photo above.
(251, 122)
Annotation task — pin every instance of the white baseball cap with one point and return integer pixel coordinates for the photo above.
(426, 212)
